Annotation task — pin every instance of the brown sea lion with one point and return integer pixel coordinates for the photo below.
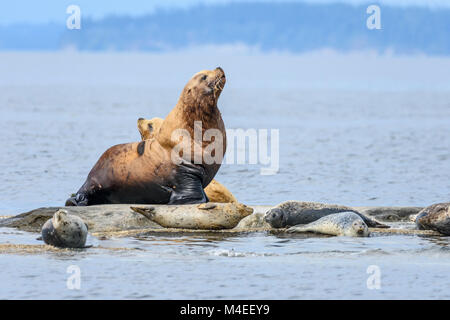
(149, 127)
(215, 191)
(149, 172)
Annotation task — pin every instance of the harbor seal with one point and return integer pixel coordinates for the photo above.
(435, 217)
(205, 216)
(253, 221)
(215, 191)
(65, 231)
(338, 224)
(148, 172)
(291, 213)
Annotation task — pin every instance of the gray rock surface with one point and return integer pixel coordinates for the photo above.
(115, 217)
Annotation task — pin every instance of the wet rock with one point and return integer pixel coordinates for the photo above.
(383, 213)
(117, 217)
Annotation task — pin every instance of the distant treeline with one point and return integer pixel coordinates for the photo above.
(295, 27)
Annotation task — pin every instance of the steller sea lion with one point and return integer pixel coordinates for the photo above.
(338, 224)
(215, 191)
(155, 171)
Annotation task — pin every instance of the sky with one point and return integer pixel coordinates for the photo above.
(44, 11)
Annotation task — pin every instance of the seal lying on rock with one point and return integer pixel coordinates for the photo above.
(435, 217)
(153, 171)
(338, 224)
(65, 231)
(215, 191)
(206, 216)
(291, 213)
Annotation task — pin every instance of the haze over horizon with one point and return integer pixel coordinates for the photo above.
(47, 11)
(286, 26)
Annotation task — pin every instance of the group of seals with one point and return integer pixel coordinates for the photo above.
(291, 213)
(65, 231)
(144, 172)
(215, 191)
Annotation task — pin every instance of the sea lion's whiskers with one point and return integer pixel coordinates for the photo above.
(218, 82)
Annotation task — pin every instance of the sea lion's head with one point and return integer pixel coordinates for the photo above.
(204, 88)
(148, 128)
(359, 228)
(276, 217)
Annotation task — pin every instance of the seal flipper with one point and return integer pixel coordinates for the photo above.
(371, 222)
(188, 188)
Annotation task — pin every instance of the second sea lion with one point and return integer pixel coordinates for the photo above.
(215, 191)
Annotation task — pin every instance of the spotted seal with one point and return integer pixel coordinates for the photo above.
(205, 216)
(338, 224)
(65, 231)
(291, 213)
(435, 217)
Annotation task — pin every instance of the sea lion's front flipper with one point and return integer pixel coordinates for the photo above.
(78, 200)
(188, 188)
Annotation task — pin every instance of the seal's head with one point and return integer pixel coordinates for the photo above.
(149, 128)
(204, 88)
(276, 217)
(359, 229)
(59, 218)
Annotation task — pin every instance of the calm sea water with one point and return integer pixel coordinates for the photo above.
(355, 129)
